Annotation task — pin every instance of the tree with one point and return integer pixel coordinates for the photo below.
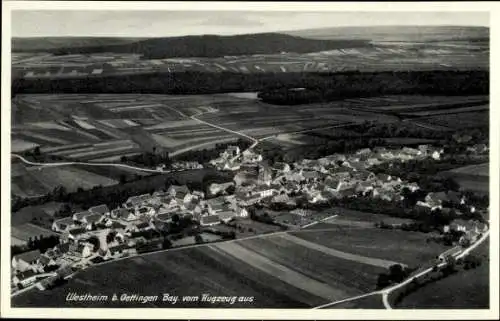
(95, 242)
(198, 239)
(396, 273)
(123, 179)
(110, 237)
(36, 151)
(166, 244)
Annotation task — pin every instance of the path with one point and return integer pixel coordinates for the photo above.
(55, 164)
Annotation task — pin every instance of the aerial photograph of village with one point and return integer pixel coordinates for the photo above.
(249, 159)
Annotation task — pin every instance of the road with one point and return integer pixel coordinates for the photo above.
(56, 164)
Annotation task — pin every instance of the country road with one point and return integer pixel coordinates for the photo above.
(24, 160)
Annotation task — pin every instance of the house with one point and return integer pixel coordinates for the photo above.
(136, 201)
(265, 191)
(181, 193)
(230, 165)
(302, 212)
(164, 216)
(251, 157)
(210, 220)
(78, 217)
(144, 211)
(424, 149)
(174, 189)
(281, 198)
(46, 260)
(363, 175)
(282, 167)
(227, 215)
(75, 234)
(461, 138)
(364, 151)
(118, 249)
(248, 200)
(478, 148)
(317, 197)
(456, 198)
(100, 209)
(62, 248)
(90, 220)
(123, 214)
(436, 199)
(412, 186)
(81, 250)
(26, 261)
(333, 184)
(311, 175)
(233, 151)
(63, 225)
(265, 175)
(451, 252)
(143, 226)
(215, 188)
(364, 187)
(436, 155)
(198, 194)
(25, 279)
(241, 212)
(382, 177)
(411, 151)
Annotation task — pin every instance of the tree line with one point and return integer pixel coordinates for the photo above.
(274, 88)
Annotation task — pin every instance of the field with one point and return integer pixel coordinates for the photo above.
(36, 181)
(456, 291)
(26, 231)
(409, 248)
(415, 53)
(473, 177)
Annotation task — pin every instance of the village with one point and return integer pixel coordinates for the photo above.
(159, 221)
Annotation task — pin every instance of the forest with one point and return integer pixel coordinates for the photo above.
(274, 88)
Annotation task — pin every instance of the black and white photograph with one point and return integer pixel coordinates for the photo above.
(239, 158)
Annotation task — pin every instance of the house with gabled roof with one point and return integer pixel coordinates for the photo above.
(100, 209)
(78, 217)
(382, 177)
(364, 187)
(136, 201)
(123, 214)
(92, 219)
(63, 225)
(25, 278)
(26, 261)
(210, 220)
(363, 175)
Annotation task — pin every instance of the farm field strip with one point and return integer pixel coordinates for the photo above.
(71, 178)
(478, 170)
(25, 231)
(340, 254)
(102, 151)
(377, 243)
(449, 111)
(49, 139)
(281, 272)
(351, 277)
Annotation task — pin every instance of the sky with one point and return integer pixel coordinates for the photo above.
(58, 23)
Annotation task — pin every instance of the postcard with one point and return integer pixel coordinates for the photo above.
(249, 160)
